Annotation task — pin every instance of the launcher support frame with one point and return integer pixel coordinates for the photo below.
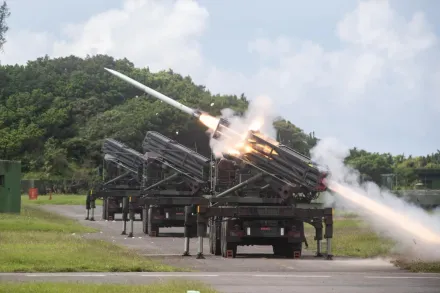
(315, 217)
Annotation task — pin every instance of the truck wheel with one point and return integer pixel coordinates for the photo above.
(153, 230)
(104, 209)
(145, 221)
(225, 246)
(291, 248)
(278, 249)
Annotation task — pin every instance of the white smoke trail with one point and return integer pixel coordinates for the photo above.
(414, 243)
(259, 116)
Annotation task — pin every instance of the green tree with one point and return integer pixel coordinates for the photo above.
(55, 113)
(4, 14)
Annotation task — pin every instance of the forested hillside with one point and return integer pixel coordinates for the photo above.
(54, 114)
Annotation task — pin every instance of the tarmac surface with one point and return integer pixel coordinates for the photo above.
(260, 282)
(254, 270)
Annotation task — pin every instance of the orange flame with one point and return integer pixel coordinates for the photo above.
(210, 121)
(244, 145)
(265, 149)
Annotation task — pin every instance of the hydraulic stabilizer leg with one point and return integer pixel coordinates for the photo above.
(93, 206)
(318, 238)
(201, 230)
(186, 231)
(329, 235)
(131, 213)
(329, 249)
(124, 216)
(87, 206)
(124, 226)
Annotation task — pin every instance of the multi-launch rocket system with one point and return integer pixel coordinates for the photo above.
(278, 161)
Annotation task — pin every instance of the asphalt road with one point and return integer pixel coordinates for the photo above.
(254, 270)
(259, 282)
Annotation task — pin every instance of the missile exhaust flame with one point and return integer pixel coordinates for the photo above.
(210, 121)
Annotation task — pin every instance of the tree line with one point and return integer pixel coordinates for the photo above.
(55, 113)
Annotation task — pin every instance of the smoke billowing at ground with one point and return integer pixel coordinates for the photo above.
(415, 231)
(259, 116)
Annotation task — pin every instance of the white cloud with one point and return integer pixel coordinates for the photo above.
(159, 34)
(378, 45)
(16, 49)
(378, 89)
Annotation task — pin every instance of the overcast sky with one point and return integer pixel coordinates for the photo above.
(365, 72)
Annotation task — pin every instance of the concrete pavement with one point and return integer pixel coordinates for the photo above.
(254, 282)
(168, 248)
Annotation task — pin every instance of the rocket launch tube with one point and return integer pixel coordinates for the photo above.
(131, 160)
(155, 94)
(180, 162)
(172, 156)
(123, 153)
(168, 144)
(178, 154)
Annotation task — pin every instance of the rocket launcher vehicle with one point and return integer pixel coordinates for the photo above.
(265, 154)
(184, 161)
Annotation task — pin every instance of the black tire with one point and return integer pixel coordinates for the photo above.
(225, 246)
(278, 249)
(289, 249)
(145, 221)
(153, 230)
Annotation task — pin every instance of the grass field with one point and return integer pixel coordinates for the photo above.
(58, 199)
(352, 237)
(168, 287)
(37, 241)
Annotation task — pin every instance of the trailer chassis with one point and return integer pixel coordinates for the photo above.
(150, 204)
(209, 215)
(129, 199)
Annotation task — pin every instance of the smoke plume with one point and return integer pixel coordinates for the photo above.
(416, 233)
(259, 116)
